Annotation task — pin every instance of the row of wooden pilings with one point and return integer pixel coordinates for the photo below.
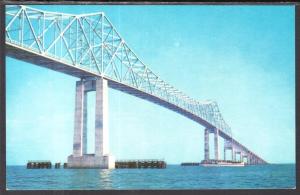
(43, 165)
(157, 164)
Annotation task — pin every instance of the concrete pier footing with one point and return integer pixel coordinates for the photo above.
(91, 161)
(101, 159)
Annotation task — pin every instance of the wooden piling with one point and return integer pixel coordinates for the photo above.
(131, 164)
(57, 165)
(39, 165)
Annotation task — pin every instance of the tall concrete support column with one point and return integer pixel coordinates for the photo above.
(239, 159)
(240, 156)
(227, 146)
(84, 134)
(232, 154)
(235, 156)
(101, 118)
(216, 139)
(206, 144)
(80, 128)
(249, 159)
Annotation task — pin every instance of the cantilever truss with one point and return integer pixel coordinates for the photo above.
(90, 42)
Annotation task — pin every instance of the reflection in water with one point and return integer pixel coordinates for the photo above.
(88, 179)
(78, 178)
(105, 179)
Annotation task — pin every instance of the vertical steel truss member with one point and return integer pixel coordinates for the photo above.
(90, 42)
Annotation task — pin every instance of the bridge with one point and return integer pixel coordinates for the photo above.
(88, 46)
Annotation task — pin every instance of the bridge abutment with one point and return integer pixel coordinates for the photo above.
(101, 157)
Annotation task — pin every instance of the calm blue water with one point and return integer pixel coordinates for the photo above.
(173, 177)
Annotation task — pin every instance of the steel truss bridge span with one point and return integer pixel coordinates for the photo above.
(88, 46)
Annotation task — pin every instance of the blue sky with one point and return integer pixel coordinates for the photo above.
(243, 57)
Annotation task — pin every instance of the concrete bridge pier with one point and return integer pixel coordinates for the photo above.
(216, 141)
(206, 143)
(227, 146)
(101, 157)
(238, 153)
(253, 160)
(250, 159)
(245, 156)
(233, 154)
(240, 156)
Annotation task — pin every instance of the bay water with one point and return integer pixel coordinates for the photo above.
(271, 176)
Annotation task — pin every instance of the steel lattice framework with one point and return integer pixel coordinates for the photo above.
(90, 42)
